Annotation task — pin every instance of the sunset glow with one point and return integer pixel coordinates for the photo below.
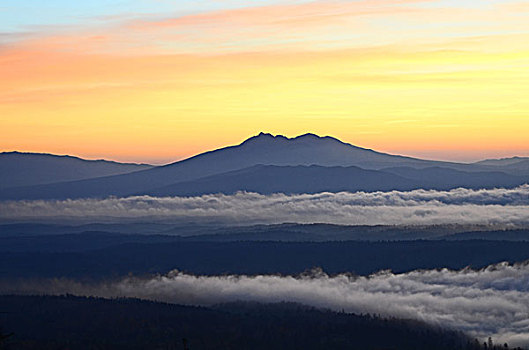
(161, 81)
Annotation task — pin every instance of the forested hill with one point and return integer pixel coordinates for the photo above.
(68, 322)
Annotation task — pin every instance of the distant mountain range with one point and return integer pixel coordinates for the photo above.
(263, 164)
(26, 169)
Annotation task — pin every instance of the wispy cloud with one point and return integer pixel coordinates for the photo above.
(313, 25)
(421, 207)
(488, 302)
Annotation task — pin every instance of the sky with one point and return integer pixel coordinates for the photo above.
(157, 80)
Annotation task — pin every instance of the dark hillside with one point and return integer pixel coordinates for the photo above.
(68, 322)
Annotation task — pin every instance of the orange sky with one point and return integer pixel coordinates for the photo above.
(425, 78)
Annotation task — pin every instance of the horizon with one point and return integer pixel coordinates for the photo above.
(427, 155)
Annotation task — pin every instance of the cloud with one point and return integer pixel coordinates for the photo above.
(419, 207)
(336, 61)
(273, 25)
(487, 302)
(269, 25)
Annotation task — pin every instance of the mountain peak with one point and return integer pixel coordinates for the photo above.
(267, 137)
(313, 137)
(264, 137)
(308, 136)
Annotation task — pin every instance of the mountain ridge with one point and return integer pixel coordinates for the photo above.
(268, 179)
(262, 149)
(27, 168)
(69, 156)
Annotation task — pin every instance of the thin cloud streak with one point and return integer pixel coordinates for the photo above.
(508, 207)
(272, 26)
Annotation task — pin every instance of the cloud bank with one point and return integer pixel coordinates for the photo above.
(487, 302)
(421, 207)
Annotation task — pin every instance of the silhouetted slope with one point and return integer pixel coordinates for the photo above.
(38, 236)
(513, 165)
(445, 178)
(215, 258)
(24, 169)
(50, 322)
(268, 179)
(263, 149)
(504, 161)
(497, 235)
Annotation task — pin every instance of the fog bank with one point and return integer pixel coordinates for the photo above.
(488, 302)
(509, 207)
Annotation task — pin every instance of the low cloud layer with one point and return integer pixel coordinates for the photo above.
(488, 302)
(422, 207)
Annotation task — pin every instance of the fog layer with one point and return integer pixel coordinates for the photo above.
(422, 207)
(488, 302)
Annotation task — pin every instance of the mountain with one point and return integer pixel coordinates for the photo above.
(516, 235)
(268, 179)
(263, 149)
(144, 256)
(503, 161)
(25, 169)
(445, 178)
(514, 165)
(72, 322)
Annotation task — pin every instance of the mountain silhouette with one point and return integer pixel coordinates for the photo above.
(268, 150)
(24, 169)
(268, 179)
(445, 178)
(504, 161)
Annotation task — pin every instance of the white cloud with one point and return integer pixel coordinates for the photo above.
(488, 302)
(422, 207)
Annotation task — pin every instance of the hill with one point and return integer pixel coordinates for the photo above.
(26, 169)
(106, 256)
(60, 322)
